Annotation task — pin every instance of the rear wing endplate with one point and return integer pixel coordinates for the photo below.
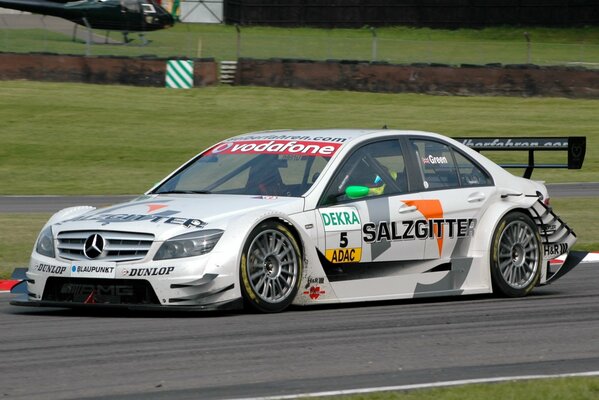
(574, 145)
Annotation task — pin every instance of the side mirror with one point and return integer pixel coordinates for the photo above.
(356, 192)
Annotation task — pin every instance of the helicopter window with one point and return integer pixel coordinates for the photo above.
(130, 5)
(148, 9)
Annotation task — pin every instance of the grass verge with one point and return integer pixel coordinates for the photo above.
(504, 45)
(100, 139)
(545, 389)
(17, 238)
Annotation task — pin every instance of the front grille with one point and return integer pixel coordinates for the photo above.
(120, 246)
(99, 291)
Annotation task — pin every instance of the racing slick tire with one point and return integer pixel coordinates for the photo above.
(515, 255)
(271, 268)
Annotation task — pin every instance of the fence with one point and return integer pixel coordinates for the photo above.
(34, 33)
(431, 13)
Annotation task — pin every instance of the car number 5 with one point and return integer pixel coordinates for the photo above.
(343, 241)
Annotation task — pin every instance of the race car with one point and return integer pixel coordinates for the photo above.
(271, 219)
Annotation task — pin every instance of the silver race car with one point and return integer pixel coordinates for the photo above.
(276, 218)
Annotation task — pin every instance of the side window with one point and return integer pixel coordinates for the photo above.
(436, 163)
(130, 5)
(470, 174)
(316, 168)
(378, 168)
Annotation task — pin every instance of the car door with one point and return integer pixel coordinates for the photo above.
(455, 193)
(366, 218)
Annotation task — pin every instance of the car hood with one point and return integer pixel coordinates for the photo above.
(166, 216)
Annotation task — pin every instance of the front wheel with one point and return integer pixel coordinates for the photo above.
(515, 255)
(271, 267)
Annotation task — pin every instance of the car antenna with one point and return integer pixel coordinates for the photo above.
(384, 126)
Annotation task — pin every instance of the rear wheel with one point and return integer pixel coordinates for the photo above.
(515, 255)
(271, 267)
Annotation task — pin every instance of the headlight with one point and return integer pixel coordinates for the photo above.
(45, 243)
(189, 244)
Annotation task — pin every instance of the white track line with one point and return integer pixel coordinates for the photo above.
(421, 386)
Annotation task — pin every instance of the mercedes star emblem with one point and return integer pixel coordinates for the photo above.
(94, 246)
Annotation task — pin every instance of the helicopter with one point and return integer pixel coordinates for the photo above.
(110, 15)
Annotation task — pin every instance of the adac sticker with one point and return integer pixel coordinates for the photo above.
(346, 255)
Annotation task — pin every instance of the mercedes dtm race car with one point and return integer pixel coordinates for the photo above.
(276, 218)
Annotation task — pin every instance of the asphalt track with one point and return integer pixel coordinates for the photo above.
(58, 354)
(26, 204)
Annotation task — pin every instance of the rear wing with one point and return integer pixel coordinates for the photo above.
(574, 145)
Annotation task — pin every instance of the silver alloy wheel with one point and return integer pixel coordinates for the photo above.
(272, 266)
(518, 254)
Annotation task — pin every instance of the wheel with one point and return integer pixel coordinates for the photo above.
(271, 267)
(515, 255)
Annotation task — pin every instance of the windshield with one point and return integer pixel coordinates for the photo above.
(258, 167)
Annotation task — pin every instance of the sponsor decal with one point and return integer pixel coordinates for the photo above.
(481, 143)
(314, 292)
(93, 271)
(435, 160)
(343, 234)
(344, 255)
(555, 249)
(317, 280)
(266, 197)
(165, 218)
(108, 216)
(548, 229)
(419, 229)
(432, 226)
(154, 271)
(101, 290)
(287, 147)
(288, 137)
(340, 218)
(50, 269)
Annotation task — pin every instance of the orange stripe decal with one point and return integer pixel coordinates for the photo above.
(430, 209)
(154, 207)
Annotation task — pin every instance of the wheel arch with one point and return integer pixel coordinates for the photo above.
(486, 226)
(292, 229)
(490, 220)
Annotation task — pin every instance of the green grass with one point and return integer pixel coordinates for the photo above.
(17, 237)
(581, 215)
(54, 137)
(546, 389)
(504, 45)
